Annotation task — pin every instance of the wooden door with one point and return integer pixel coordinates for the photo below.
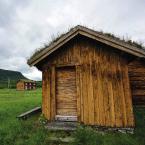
(66, 101)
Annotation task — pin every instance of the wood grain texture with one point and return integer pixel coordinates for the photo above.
(53, 92)
(78, 85)
(46, 102)
(103, 94)
(137, 81)
(66, 94)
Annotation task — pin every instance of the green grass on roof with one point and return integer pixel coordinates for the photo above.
(110, 35)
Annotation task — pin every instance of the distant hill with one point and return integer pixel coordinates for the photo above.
(13, 75)
(9, 78)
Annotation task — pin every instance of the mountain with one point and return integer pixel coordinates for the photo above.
(9, 78)
(8, 74)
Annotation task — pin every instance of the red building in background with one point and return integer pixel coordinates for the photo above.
(25, 84)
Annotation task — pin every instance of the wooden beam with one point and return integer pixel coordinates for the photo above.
(78, 93)
(53, 93)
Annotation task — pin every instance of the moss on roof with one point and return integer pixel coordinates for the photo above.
(53, 40)
(139, 45)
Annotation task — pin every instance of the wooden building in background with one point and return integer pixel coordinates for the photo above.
(25, 84)
(85, 78)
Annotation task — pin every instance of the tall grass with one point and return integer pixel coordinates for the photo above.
(87, 136)
(30, 132)
(14, 131)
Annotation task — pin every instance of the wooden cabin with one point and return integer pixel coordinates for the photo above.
(85, 78)
(25, 84)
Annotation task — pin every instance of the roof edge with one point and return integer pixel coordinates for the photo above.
(88, 33)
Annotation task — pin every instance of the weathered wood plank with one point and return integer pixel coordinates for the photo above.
(46, 93)
(78, 93)
(101, 83)
(66, 91)
(29, 113)
(123, 102)
(137, 81)
(53, 93)
(128, 99)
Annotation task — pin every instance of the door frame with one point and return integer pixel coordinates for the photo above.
(53, 94)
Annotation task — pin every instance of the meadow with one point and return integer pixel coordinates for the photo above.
(31, 132)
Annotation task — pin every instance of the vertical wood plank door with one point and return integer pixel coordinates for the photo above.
(66, 101)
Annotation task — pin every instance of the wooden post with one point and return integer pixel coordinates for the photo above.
(53, 93)
(78, 93)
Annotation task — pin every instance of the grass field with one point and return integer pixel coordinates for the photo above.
(30, 132)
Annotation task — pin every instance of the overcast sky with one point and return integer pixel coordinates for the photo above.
(27, 24)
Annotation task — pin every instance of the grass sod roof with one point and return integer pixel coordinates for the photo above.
(128, 46)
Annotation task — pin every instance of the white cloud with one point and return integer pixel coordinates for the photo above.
(33, 74)
(27, 25)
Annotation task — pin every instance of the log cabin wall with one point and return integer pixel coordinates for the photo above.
(103, 89)
(137, 81)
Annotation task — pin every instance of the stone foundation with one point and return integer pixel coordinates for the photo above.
(113, 129)
(72, 126)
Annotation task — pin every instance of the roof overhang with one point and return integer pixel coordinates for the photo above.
(116, 44)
